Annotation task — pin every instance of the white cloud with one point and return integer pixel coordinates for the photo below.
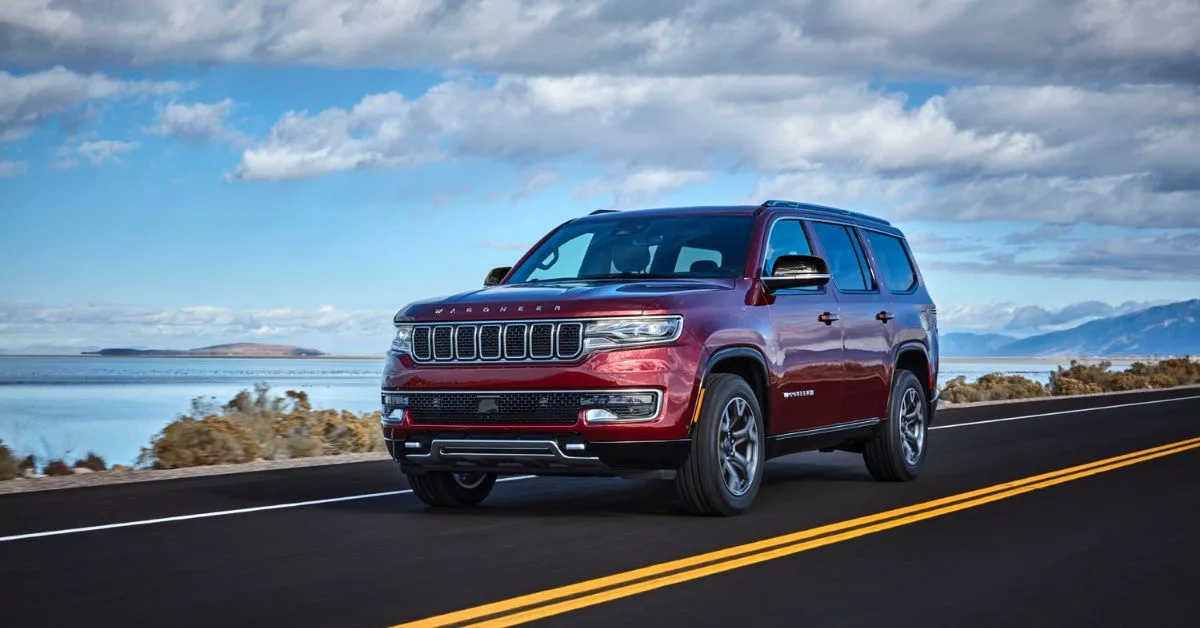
(640, 186)
(1077, 40)
(9, 168)
(26, 100)
(197, 122)
(96, 152)
(677, 123)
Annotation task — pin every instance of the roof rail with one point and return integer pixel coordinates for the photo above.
(604, 211)
(824, 210)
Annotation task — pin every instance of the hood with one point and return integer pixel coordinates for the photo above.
(559, 299)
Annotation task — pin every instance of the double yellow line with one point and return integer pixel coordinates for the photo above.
(591, 592)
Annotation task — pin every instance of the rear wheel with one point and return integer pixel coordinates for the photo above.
(898, 449)
(724, 469)
(446, 488)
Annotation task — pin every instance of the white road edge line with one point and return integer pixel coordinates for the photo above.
(222, 513)
(315, 502)
(1045, 414)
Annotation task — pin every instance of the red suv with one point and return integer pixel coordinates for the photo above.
(690, 344)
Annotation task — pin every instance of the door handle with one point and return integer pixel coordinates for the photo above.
(828, 318)
(884, 316)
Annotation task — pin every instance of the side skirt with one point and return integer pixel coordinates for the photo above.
(849, 436)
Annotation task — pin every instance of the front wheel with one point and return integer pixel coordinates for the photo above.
(725, 467)
(448, 489)
(898, 449)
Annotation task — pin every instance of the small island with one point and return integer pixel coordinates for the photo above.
(234, 350)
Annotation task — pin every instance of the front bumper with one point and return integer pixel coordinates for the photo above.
(536, 454)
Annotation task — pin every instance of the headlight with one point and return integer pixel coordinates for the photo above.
(627, 332)
(402, 343)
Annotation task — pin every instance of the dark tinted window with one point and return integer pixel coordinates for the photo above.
(788, 238)
(894, 264)
(845, 257)
(632, 246)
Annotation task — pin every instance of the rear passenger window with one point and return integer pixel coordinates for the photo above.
(788, 238)
(897, 268)
(846, 260)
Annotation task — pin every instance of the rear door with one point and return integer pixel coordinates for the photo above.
(806, 352)
(866, 335)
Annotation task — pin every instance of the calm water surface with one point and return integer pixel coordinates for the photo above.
(66, 406)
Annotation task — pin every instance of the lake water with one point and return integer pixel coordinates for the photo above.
(66, 406)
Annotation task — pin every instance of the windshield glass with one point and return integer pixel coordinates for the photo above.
(640, 247)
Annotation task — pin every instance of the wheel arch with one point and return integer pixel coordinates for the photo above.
(914, 357)
(747, 363)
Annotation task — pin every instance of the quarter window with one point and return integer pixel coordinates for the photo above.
(788, 238)
(896, 266)
(847, 262)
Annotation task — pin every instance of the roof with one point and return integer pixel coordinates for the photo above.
(804, 209)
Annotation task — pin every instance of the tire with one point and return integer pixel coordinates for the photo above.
(704, 480)
(898, 449)
(449, 489)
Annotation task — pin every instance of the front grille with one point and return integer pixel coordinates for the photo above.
(511, 342)
(556, 408)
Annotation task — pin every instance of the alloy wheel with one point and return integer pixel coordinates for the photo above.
(739, 446)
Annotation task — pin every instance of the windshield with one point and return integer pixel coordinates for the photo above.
(640, 247)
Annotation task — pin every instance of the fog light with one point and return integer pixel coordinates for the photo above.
(619, 407)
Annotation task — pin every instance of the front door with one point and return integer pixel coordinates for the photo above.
(807, 351)
(866, 336)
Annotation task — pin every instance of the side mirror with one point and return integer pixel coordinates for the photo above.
(496, 275)
(796, 271)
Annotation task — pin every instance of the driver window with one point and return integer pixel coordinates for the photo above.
(565, 261)
(788, 238)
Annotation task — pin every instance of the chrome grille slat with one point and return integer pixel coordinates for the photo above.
(499, 341)
(516, 344)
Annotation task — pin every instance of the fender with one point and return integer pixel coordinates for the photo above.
(736, 352)
(932, 393)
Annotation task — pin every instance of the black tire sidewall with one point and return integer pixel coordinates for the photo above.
(724, 389)
(904, 381)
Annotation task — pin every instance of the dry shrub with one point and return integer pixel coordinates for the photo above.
(93, 462)
(1063, 385)
(303, 446)
(991, 387)
(189, 442)
(1127, 381)
(57, 467)
(9, 467)
(255, 424)
(1162, 380)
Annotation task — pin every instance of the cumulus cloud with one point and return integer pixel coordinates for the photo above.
(197, 123)
(1073, 41)
(676, 123)
(26, 100)
(186, 327)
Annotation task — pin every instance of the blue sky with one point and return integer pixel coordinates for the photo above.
(292, 179)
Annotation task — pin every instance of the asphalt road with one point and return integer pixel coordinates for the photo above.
(1107, 546)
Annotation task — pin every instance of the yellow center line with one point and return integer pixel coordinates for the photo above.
(627, 583)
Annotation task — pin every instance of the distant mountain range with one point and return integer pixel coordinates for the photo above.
(1165, 330)
(235, 350)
